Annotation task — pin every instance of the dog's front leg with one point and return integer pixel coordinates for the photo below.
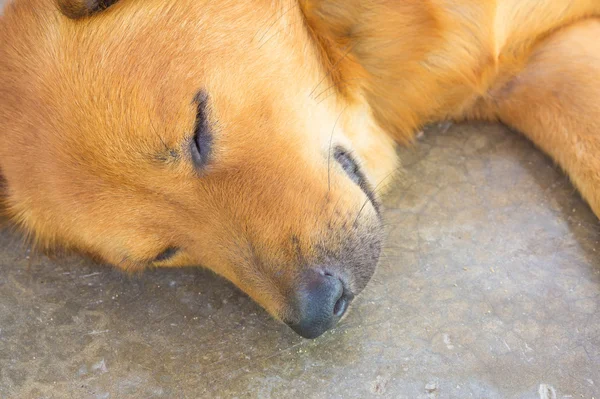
(555, 101)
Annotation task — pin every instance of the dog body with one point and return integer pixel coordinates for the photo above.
(530, 64)
(254, 137)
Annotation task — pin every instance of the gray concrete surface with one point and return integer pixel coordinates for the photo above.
(489, 288)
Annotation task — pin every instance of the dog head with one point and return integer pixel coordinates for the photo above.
(188, 133)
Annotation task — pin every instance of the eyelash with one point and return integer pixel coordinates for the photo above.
(202, 139)
(167, 254)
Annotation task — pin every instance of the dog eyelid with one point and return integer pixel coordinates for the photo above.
(201, 142)
(166, 254)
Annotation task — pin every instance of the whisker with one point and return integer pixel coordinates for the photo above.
(276, 20)
(374, 191)
(153, 129)
(332, 68)
(275, 34)
(329, 152)
(360, 210)
(341, 83)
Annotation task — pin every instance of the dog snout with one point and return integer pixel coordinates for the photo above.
(321, 299)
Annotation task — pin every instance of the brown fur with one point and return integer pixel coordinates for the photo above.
(95, 111)
(532, 64)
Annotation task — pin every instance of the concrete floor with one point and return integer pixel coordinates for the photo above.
(489, 288)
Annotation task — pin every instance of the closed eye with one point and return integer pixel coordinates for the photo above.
(167, 254)
(201, 143)
(352, 169)
(349, 166)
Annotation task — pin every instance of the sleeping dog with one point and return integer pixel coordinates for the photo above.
(255, 137)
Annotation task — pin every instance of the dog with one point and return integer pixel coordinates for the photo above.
(255, 138)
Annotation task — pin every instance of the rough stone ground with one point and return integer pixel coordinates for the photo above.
(489, 288)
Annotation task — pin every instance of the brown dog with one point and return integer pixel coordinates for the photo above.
(252, 137)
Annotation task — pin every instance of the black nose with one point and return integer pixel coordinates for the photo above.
(321, 301)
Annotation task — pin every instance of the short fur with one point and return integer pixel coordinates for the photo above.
(97, 111)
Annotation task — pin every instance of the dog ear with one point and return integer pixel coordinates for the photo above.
(76, 9)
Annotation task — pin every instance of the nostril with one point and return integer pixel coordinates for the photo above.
(340, 306)
(343, 298)
(321, 300)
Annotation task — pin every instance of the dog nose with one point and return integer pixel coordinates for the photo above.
(321, 301)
